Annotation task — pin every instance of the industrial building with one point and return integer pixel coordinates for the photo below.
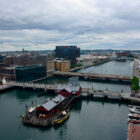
(50, 67)
(26, 60)
(30, 73)
(62, 65)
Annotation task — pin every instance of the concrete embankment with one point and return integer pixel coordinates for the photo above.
(90, 65)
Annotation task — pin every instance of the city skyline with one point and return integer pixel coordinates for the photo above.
(42, 25)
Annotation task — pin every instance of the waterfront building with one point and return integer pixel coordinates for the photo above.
(62, 65)
(50, 67)
(30, 73)
(50, 107)
(114, 55)
(67, 52)
(67, 91)
(27, 60)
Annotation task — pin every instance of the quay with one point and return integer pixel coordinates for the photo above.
(89, 65)
(133, 132)
(95, 76)
(5, 88)
(86, 92)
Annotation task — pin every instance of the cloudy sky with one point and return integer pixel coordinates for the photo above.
(89, 24)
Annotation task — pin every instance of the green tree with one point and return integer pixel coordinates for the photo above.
(135, 83)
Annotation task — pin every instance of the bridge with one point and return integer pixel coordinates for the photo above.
(95, 76)
(86, 92)
(91, 92)
(32, 85)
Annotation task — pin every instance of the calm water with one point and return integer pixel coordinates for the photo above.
(89, 119)
(112, 67)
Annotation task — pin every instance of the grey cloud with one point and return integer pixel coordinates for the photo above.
(98, 23)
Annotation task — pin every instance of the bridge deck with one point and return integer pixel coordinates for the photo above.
(85, 91)
(94, 76)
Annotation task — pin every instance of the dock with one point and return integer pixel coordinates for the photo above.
(34, 120)
(133, 132)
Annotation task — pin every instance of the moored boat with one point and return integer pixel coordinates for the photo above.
(134, 116)
(133, 121)
(64, 115)
(134, 110)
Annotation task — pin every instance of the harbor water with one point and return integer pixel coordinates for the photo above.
(89, 118)
(112, 67)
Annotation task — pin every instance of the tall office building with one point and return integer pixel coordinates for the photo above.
(67, 52)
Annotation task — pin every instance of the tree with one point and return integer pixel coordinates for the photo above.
(135, 83)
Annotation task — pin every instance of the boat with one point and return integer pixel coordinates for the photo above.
(133, 121)
(134, 116)
(32, 109)
(64, 115)
(135, 110)
(132, 106)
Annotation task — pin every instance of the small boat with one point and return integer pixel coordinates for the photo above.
(132, 106)
(31, 109)
(62, 117)
(134, 110)
(133, 121)
(134, 116)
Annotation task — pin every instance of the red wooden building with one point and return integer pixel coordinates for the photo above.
(50, 107)
(68, 90)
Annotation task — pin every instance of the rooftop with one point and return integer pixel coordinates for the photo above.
(28, 67)
(51, 103)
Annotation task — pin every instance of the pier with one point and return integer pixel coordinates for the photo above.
(94, 76)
